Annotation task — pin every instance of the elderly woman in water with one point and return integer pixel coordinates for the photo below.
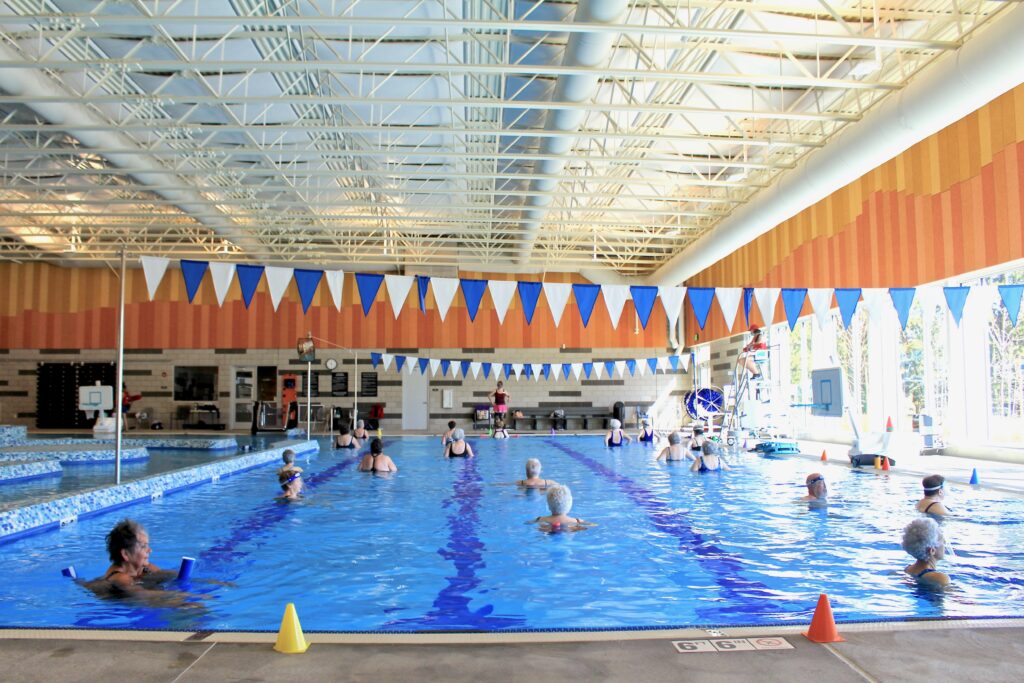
(560, 504)
(457, 447)
(922, 539)
(533, 480)
(675, 449)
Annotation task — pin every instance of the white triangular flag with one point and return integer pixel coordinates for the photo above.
(729, 303)
(663, 364)
(336, 283)
(766, 298)
(221, 274)
(398, 291)
(474, 367)
(672, 302)
(930, 297)
(684, 361)
(502, 292)
(435, 363)
(615, 297)
(154, 268)
(277, 281)
(641, 366)
(598, 369)
(536, 372)
(821, 302)
(517, 369)
(877, 302)
(387, 358)
(620, 367)
(444, 291)
(979, 307)
(557, 293)
(577, 368)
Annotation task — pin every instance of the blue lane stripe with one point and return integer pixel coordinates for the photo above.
(465, 550)
(723, 566)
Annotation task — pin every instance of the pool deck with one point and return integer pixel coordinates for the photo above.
(966, 652)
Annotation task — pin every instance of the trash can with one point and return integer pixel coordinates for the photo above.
(619, 410)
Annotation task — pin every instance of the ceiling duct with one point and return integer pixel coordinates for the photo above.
(82, 123)
(583, 49)
(987, 65)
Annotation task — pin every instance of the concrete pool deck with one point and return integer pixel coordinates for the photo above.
(990, 652)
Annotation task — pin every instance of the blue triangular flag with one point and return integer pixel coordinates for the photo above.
(748, 300)
(673, 360)
(793, 302)
(193, 272)
(587, 369)
(566, 368)
(700, 301)
(507, 369)
(652, 363)
(528, 369)
(902, 299)
(631, 366)
(529, 292)
(248, 280)
(956, 297)
(374, 359)
(399, 362)
(464, 365)
(422, 282)
(1010, 295)
(609, 367)
(307, 281)
(368, 284)
(847, 300)
(586, 296)
(643, 301)
(445, 364)
(486, 367)
(546, 370)
(473, 292)
(424, 362)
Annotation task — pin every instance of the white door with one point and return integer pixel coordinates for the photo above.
(242, 396)
(415, 408)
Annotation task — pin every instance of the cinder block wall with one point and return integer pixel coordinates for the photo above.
(151, 373)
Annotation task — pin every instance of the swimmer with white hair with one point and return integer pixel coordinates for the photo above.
(360, 431)
(560, 504)
(922, 539)
(533, 480)
(709, 460)
(458, 448)
(675, 450)
(646, 434)
(615, 436)
(288, 457)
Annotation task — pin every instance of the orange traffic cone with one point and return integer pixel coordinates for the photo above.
(824, 456)
(823, 625)
(885, 463)
(888, 424)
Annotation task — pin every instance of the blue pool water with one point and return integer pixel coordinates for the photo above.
(443, 545)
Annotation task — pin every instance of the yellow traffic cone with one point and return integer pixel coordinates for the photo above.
(290, 639)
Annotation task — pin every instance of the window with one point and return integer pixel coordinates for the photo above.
(195, 383)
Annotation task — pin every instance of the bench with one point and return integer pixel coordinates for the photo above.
(587, 415)
(530, 416)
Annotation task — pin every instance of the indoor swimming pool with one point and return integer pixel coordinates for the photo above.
(445, 545)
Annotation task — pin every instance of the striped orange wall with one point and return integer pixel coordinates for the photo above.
(47, 306)
(951, 204)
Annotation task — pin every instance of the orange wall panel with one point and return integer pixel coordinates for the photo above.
(951, 204)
